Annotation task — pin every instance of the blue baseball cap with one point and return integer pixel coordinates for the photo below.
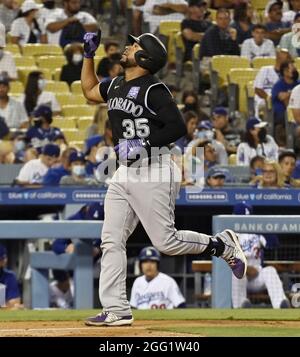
(255, 123)
(242, 208)
(92, 141)
(205, 124)
(43, 111)
(220, 111)
(217, 172)
(3, 251)
(76, 156)
(51, 150)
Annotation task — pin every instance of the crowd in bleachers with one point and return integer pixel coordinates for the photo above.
(243, 109)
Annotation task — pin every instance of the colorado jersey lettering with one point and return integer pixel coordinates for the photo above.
(162, 292)
(128, 107)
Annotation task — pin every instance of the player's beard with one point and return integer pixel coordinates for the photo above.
(127, 63)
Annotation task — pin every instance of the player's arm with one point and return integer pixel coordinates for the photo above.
(89, 79)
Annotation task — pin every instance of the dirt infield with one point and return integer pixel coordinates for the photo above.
(146, 328)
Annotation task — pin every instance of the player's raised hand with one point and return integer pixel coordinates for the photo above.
(91, 41)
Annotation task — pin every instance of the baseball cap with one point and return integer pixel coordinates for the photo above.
(51, 150)
(29, 5)
(255, 123)
(3, 251)
(43, 111)
(220, 111)
(243, 208)
(217, 172)
(2, 36)
(205, 124)
(76, 156)
(4, 79)
(273, 3)
(92, 141)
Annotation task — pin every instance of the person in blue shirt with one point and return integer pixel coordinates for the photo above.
(8, 278)
(191, 121)
(92, 145)
(93, 211)
(42, 133)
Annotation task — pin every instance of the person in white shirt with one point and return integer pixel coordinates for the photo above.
(288, 16)
(49, 10)
(8, 12)
(26, 28)
(258, 45)
(35, 95)
(286, 39)
(257, 142)
(265, 80)
(61, 18)
(61, 290)
(11, 110)
(258, 278)
(154, 290)
(294, 103)
(33, 172)
(156, 11)
(7, 62)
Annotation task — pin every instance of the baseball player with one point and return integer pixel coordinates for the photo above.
(258, 277)
(143, 117)
(154, 290)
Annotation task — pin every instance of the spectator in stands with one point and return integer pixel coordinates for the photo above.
(61, 290)
(26, 28)
(256, 142)
(42, 133)
(275, 26)
(224, 132)
(266, 79)
(33, 172)
(243, 22)
(9, 280)
(191, 121)
(258, 278)
(191, 102)
(55, 173)
(156, 11)
(72, 70)
(272, 176)
(288, 16)
(35, 95)
(69, 24)
(286, 40)
(7, 62)
(8, 12)
(294, 103)
(287, 161)
(194, 26)
(256, 167)
(19, 146)
(281, 93)
(215, 177)
(154, 290)
(30, 154)
(92, 145)
(258, 45)
(111, 48)
(78, 175)
(48, 10)
(6, 152)
(137, 16)
(114, 68)
(11, 110)
(220, 39)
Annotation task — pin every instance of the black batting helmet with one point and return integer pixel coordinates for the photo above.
(154, 54)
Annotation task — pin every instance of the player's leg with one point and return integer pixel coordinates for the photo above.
(239, 292)
(120, 221)
(154, 203)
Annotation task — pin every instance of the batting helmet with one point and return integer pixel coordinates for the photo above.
(149, 253)
(154, 54)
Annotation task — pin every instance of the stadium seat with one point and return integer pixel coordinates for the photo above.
(232, 160)
(23, 73)
(259, 62)
(213, 14)
(57, 87)
(250, 97)
(74, 135)
(64, 123)
(76, 87)
(259, 4)
(179, 52)
(51, 62)
(79, 110)
(238, 79)
(9, 172)
(38, 49)
(167, 32)
(70, 99)
(83, 123)
(100, 51)
(16, 88)
(56, 74)
(12, 48)
(297, 63)
(79, 145)
(25, 61)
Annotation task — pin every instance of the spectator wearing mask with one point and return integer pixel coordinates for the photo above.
(71, 71)
(191, 121)
(276, 27)
(69, 24)
(256, 142)
(35, 95)
(194, 26)
(78, 175)
(191, 102)
(42, 133)
(92, 145)
(242, 22)
(9, 280)
(266, 79)
(11, 110)
(33, 172)
(286, 39)
(8, 12)
(7, 62)
(215, 177)
(26, 28)
(258, 45)
(61, 290)
(111, 48)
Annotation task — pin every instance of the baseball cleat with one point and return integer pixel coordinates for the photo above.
(109, 319)
(233, 253)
